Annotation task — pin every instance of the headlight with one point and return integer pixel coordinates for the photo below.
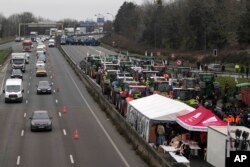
(38, 89)
(32, 123)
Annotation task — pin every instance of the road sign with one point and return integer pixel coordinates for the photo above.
(178, 62)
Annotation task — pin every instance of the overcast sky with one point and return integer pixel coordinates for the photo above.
(60, 9)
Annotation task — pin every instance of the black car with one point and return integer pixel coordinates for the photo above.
(40, 120)
(16, 73)
(44, 87)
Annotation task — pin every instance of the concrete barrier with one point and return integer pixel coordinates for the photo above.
(147, 153)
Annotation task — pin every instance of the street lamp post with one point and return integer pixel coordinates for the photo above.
(111, 15)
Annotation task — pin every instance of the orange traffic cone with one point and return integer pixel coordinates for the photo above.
(64, 109)
(76, 136)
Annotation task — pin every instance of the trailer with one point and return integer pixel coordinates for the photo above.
(217, 146)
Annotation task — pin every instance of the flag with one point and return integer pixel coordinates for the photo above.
(229, 140)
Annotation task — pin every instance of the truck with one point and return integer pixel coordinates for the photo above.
(18, 61)
(33, 36)
(245, 95)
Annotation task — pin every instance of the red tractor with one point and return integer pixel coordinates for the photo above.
(130, 93)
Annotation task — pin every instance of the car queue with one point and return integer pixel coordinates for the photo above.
(14, 86)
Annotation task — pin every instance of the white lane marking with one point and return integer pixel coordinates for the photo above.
(99, 122)
(56, 101)
(71, 159)
(51, 77)
(64, 132)
(26, 101)
(54, 91)
(52, 83)
(29, 83)
(18, 160)
(30, 77)
(60, 114)
(24, 115)
(22, 133)
(28, 92)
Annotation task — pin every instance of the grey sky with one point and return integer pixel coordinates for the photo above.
(60, 9)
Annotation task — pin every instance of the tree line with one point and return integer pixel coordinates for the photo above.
(185, 24)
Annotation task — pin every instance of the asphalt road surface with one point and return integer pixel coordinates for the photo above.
(72, 109)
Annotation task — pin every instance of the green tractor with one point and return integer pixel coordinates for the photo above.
(209, 88)
(187, 96)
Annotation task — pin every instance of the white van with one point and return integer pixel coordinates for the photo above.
(13, 90)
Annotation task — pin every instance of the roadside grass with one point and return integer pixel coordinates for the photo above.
(231, 81)
(6, 40)
(3, 55)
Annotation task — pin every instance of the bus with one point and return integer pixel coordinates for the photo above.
(27, 45)
(33, 36)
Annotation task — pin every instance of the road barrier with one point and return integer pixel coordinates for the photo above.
(147, 153)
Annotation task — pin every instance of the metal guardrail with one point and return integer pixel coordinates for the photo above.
(141, 146)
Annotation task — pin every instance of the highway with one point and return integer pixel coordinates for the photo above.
(72, 109)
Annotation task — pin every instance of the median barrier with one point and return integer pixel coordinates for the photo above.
(143, 149)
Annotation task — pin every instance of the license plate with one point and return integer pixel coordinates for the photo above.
(41, 127)
(12, 98)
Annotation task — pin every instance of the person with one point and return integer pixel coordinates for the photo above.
(226, 88)
(247, 71)
(186, 151)
(160, 134)
(242, 71)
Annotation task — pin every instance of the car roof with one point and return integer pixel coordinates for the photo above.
(13, 82)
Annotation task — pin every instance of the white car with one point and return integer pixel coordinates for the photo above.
(40, 64)
(41, 47)
(51, 43)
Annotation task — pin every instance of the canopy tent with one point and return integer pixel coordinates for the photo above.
(141, 113)
(199, 120)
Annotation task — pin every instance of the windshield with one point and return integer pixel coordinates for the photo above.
(13, 88)
(190, 83)
(162, 87)
(183, 94)
(43, 83)
(18, 61)
(40, 116)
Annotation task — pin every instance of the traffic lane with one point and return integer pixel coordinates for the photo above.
(42, 148)
(78, 52)
(11, 123)
(11, 126)
(89, 119)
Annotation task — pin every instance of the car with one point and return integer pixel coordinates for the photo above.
(18, 39)
(43, 87)
(41, 72)
(51, 43)
(40, 120)
(41, 57)
(214, 67)
(40, 64)
(16, 73)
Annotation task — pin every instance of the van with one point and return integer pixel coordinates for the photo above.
(13, 90)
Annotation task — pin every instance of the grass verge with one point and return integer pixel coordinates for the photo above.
(3, 55)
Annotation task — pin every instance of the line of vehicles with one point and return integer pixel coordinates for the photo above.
(79, 40)
(14, 88)
(123, 78)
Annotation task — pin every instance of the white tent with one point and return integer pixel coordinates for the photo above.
(142, 112)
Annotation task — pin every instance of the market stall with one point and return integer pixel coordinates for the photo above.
(144, 112)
